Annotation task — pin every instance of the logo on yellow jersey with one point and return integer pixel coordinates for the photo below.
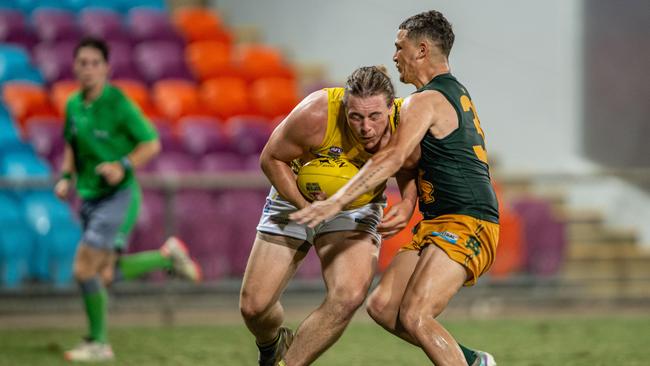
(425, 189)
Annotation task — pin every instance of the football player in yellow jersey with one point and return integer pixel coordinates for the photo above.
(351, 122)
(456, 241)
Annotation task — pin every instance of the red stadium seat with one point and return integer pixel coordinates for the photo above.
(26, 99)
(225, 97)
(200, 24)
(208, 59)
(273, 97)
(176, 98)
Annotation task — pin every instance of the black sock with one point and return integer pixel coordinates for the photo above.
(270, 346)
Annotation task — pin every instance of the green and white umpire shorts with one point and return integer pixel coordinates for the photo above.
(275, 220)
(107, 221)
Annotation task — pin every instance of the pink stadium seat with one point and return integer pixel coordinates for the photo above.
(146, 24)
(55, 25)
(102, 23)
(46, 136)
(248, 134)
(200, 135)
(55, 60)
(161, 60)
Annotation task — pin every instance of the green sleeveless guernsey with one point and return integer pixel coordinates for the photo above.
(454, 176)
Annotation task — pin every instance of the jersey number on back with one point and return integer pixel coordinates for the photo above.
(479, 150)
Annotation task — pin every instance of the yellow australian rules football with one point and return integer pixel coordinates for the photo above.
(328, 175)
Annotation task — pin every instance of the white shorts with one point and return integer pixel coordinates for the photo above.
(275, 220)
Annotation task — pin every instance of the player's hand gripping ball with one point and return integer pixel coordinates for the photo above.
(327, 175)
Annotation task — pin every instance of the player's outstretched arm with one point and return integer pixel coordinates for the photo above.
(302, 129)
(416, 116)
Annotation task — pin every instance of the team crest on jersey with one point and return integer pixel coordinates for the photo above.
(335, 151)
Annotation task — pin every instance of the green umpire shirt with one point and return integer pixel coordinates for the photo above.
(104, 130)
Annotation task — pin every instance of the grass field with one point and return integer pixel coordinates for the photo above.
(528, 342)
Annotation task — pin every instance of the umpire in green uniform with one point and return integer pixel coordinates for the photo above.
(107, 137)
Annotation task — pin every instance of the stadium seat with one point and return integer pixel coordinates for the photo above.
(129, 5)
(16, 66)
(239, 210)
(45, 134)
(161, 60)
(56, 236)
(200, 24)
(544, 237)
(220, 162)
(53, 25)
(167, 136)
(209, 59)
(390, 247)
(146, 24)
(149, 232)
(105, 5)
(175, 98)
(16, 242)
(55, 60)
(22, 164)
(174, 164)
(102, 23)
(121, 61)
(138, 93)
(274, 97)
(259, 61)
(225, 97)
(61, 92)
(12, 23)
(200, 135)
(248, 134)
(26, 99)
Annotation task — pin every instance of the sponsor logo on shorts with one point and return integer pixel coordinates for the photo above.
(279, 220)
(366, 221)
(447, 235)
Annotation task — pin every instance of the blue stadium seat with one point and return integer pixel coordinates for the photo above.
(127, 5)
(16, 242)
(15, 65)
(23, 164)
(68, 5)
(56, 234)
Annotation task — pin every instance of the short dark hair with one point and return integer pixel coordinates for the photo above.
(369, 81)
(92, 42)
(433, 25)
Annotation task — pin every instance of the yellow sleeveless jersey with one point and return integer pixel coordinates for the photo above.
(339, 139)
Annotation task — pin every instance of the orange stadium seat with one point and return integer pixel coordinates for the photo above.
(60, 93)
(510, 251)
(25, 99)
(209, 59)
(138, 93)
(258, 61)
(391, 246)
(274, 97)
(175, 98)
(225, 97)
(200, 24)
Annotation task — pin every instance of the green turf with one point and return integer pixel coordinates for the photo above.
(565, 342)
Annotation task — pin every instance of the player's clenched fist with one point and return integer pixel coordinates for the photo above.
(113, 172)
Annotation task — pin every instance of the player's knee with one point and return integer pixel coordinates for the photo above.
(378, 307)
(83, 271)
(347, 300)
(252, 306)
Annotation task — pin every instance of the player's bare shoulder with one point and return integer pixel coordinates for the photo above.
(307, 122)
(440, 113)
